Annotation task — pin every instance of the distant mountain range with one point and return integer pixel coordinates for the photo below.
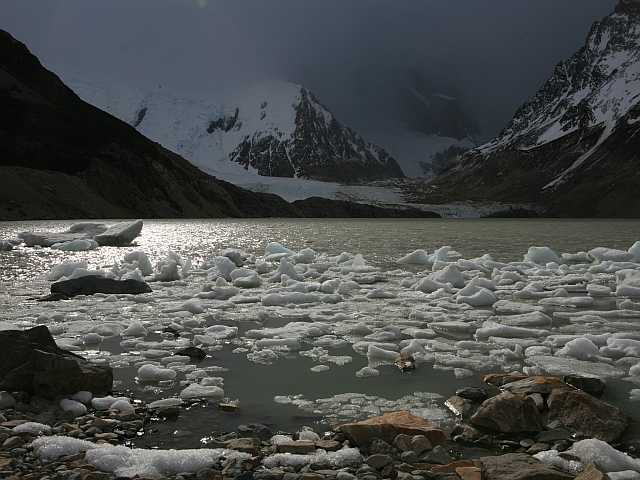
(61, 157)
(274, 129)
(574, 147)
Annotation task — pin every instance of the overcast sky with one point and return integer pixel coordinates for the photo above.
(494, 53)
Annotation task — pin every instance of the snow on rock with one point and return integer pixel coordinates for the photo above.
(346, 457)
(597, 452)
(52, 448)
(580, 348)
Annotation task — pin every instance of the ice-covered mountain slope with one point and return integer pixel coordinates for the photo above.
(574, 144)
(274, 129)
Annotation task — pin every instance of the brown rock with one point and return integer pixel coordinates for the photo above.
(389, 425)
(539, 384)
(301, 447)
(328, 445)
(454, 466)
(592, 473)
(469, 473)
(499, 379)
(12, 442)
(519, 466)
(586, 416)
(246, 445)
(508, 413)
(462, 407)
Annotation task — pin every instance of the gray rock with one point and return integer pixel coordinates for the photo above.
(439, 455)
(7, 400)
(402, 442)
(420, 444)
(519, 466)
(92, 284)
(553, 435)
(508, 413)
(378, 461)
(30, 361)
(345, 476)
(592, 386)
(409, 456)
(586, 416)
(537, 448)
(475, 394)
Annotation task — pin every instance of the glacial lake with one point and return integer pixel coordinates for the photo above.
(282, 391)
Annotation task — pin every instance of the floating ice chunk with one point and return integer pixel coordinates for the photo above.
(628, 282)
(365, 372)
(153, 373)
(380, 293)
(202, 391)
(542, 256)
(135, 329)
(604, 254)
(320, 368)
(33, 428)
(450, 274)
(476, 296)
(141, 261)
(235, 255)
(506, 307)
(51, 448)
(378, 356)
(569, 366)
(414, 347)
(275, 248)
(483, 283)
(222, 267)
(621, 347)
(65, 270)
(75, 408)
(193, 305)
(120, 234)
(532, 319)
(492, 329)
(580, 257)
(248, 281)
(285, 268)
(78, 245)
(167, 270)
(134, 274)
(357, 265)
(578, 302)
(634, 371)
(289, 298)
(580, 348)
(417, 257)
(429, 285)
(92, 339)
(634, 395)
(306, 255)
(635, 251)
(596, 290)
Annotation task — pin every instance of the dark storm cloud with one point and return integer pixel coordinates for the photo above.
(494, 53)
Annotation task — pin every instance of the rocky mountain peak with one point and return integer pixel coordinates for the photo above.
(631, 7)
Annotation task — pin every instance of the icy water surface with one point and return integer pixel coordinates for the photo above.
(268, 368)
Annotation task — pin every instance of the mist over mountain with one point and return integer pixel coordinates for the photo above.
(356, 56)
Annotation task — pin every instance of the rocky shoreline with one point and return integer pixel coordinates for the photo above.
(514, 427)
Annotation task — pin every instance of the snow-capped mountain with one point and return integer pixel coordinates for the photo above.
(274, 129)
(576, 136)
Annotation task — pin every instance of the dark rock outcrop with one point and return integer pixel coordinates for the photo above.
(30, 361)
(508, 413)
(63, 158)
(519, 466)
(585, 415)
(92, 284)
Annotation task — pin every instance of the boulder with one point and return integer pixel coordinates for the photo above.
(92, 284)
(390, 425)
(519, 466)
(593, 386)
(31, 361)
(530, 385)
(592, 473)
(120, 234)
(300, 447)
(585, 416)
(508, 413)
